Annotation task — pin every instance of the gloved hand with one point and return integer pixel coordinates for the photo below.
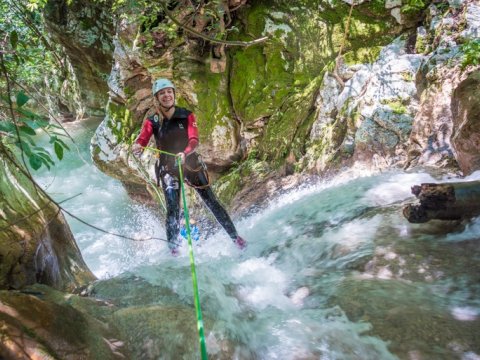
(137, 149)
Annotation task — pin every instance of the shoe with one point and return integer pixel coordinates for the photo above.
(175, 250)
(240, 243)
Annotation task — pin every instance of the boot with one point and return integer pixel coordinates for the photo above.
(240, 243)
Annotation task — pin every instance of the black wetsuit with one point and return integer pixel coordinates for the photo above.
(174, 135)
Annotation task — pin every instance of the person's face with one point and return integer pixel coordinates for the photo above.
(166, 97)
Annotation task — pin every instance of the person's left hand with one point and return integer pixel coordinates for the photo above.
(181, 156)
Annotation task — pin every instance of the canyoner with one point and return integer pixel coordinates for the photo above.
(176, 138)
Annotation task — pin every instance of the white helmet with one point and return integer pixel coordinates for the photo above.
(160, 84)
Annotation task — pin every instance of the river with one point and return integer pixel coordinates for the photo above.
(332, 270)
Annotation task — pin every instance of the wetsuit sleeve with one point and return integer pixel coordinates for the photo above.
(145, 134)
(192, 132)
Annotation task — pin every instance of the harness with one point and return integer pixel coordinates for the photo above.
(171, 135)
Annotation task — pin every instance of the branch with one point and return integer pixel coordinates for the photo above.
(208, 38)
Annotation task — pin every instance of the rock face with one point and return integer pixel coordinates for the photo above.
(442, 118)
(36, 244)
(409, 108)
(255, 103)
(465, 113)
(370, 119)
(41, 323)
(398, 99)
(85, 29)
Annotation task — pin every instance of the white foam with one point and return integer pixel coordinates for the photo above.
(465, 313)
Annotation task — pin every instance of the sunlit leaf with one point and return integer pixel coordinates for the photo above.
(27, 113)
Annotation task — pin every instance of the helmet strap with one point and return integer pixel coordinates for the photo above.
(167, 109)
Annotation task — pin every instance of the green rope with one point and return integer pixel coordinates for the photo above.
(196, 295)
(198, 310)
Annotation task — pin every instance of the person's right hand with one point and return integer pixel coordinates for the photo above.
(137, 149)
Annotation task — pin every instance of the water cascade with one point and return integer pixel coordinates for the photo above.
(332, 270)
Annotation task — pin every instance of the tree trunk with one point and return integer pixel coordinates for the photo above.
(447, 201)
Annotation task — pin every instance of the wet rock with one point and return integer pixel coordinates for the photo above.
(428, 330)
(466, 112)
(84, 29)
(40, 322)
(372, 116)
(36, 244)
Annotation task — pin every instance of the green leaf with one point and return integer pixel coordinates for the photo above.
(58, 150)
(47, 160)
(35, 161)
(27, 113)
(53, 139)
(7, 126)
(21, 99)
(34, 124)
(39, 149)
(29, 139)
(14, 39)
(27, 130)
(23, 146)
(63, 144)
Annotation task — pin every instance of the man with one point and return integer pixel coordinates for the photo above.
(175, 131)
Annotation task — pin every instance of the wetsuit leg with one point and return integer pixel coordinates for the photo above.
(171, 191)
(214, 205)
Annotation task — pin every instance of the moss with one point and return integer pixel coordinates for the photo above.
(397, 106)
(408, 76)
(362, 55)
(288, 127)
(213, 108)
(228, 185)
(248, 85)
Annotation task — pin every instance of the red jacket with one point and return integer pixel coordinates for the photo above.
(177, 134)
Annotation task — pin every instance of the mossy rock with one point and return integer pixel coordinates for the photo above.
(36, 244)
(41, 322)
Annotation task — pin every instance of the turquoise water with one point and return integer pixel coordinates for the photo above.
(332, 270)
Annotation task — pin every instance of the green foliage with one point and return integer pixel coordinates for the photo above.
(470, 53)
(21, 132)
(33, 5)
(413, 6)
(26, 58)
(26, 62)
